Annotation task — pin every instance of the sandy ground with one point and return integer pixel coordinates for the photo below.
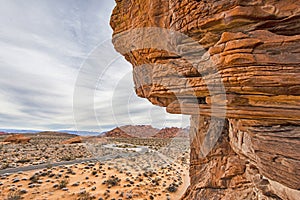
(111, 180)
(156, 169)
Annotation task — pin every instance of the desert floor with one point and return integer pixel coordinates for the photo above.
(118, 169)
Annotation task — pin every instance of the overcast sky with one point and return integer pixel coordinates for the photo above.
(48, 49)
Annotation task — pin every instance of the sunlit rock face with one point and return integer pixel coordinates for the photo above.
(241, 57)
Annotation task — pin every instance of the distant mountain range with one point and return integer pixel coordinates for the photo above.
(128, 131)
(82, 133)
(18, 131)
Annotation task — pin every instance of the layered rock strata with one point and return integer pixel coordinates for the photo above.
(237, 73)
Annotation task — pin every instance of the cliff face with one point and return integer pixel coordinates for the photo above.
(237, 73)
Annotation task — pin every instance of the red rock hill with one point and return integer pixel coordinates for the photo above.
(146, 131)
(117, 133)
(171, 133)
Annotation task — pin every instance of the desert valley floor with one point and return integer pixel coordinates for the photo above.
(50, 167)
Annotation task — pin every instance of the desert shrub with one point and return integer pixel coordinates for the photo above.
(172, 188)
(85, 196)
(4, 165)
(49, 166)
(66, 158)
(113, 181)
(34, 178)
(14, 195)
(63, 183)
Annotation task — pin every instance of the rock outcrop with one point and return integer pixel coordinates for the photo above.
(74, 140)
(146, 131)
(117, 133)
(236, 73)
(140, 131)
(17, 138)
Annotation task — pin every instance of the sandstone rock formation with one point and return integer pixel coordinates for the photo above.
(172, 133)
(146, 131)
(17, 138)
(141, 131)
(117, 133)
(248, 50)
(74, 140)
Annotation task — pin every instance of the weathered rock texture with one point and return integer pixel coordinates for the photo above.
(252, 47)
(74, 140)
(17, 138)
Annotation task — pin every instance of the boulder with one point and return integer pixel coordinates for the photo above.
(73, 140)
(17, 138)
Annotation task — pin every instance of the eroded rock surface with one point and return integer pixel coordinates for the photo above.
(17, 138)
(74, 140)
(246, 49)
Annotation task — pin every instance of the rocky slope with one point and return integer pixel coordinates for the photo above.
(145, 131)
(141, 131)
(172, 133)
(234, 66)
(117, 133)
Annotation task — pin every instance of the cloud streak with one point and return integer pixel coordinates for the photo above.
(42, 47)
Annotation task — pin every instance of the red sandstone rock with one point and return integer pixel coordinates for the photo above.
(252, 49)
(146, 131)
(17, 138)
(117, 133)
(141, 131)
(73, 140)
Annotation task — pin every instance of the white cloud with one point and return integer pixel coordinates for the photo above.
(42, 46)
